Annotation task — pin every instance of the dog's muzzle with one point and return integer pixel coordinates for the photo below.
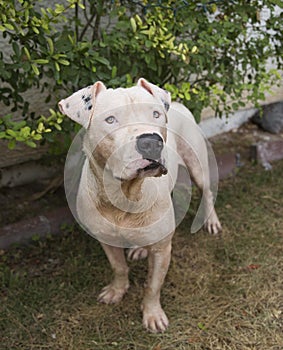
(150, 147)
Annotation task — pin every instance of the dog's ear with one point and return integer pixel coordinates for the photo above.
(156, 91)
(79, 106)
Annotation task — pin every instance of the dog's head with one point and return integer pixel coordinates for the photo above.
(126, 128)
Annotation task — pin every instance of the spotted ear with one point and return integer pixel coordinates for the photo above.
(79, 106)
(157, 92)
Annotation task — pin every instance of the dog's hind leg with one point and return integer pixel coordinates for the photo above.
(200, 162)
(114, 292)
(138, 253)
(197, 164)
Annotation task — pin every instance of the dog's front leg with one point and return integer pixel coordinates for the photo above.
(154, 318)
(115, 291)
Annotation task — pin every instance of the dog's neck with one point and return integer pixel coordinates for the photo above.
(110, 191)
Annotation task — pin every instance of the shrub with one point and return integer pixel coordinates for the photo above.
(206, 53)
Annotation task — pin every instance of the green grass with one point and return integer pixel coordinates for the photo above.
(219, 293)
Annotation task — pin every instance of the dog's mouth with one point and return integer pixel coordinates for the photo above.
(143, 168)
(155, 168)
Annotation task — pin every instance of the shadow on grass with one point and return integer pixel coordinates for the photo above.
(219, 293)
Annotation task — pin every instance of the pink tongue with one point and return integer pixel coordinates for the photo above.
(142, 163)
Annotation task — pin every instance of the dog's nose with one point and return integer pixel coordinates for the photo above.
(150, 146)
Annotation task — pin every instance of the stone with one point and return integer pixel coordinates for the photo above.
(270, 117)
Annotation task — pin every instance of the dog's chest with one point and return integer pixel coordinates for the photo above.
(139, 221)
(119, 228)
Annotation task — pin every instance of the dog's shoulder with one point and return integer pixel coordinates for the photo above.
(179, 111)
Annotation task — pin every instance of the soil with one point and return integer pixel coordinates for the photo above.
(18, 203)
(239, 140)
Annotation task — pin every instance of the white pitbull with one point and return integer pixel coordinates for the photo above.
(133, 144)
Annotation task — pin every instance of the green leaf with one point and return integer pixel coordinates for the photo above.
(114, 72)
(235, 106)
(20, 138)
(27, 53)
(64, 62)
(51, 46)
(16, 48)
(26, 66)
(57, 66)
(26, 15)
(9, 26)
(35, 69)
(57, 126)
(148, 44)
(25, 131)
(37, 137)
(41, 61)
(40, 127)
(19, 125)
(187, 95)
(12, 144)
(194, 49)
(11, 132)
(30, 143)
(35, 30)
(133, 24)
(102, 60)
(59, 9)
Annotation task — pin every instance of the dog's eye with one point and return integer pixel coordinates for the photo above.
(110, 120)
(156, 114)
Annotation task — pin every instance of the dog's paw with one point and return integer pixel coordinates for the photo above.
(111, 294)
(213, 225)
(155, 320)
(137, 253)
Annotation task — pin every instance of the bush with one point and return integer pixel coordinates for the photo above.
(206, 53)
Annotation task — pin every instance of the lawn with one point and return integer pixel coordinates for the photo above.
(221, 294)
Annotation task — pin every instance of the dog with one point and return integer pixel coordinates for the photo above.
(134, 140)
